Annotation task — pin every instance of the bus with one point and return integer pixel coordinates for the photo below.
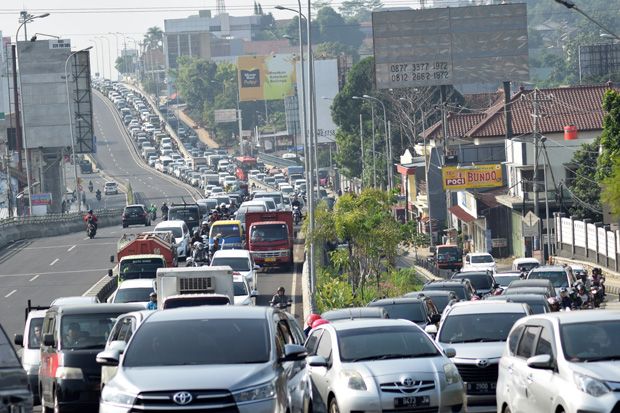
(243, 165)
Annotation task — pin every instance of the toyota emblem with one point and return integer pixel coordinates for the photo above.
(182, 398)
(407, 381)
(482, 363)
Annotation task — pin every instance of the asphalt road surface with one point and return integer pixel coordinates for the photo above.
(67, 265)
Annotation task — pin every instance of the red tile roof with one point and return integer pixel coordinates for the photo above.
(558, 107)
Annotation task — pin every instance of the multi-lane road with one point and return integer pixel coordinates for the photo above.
(44, 269)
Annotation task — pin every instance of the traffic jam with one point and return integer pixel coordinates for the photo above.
(182, 331)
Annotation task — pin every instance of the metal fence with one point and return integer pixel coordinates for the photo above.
(51, 218)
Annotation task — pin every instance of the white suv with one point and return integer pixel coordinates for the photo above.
(561, 362)
(110, 188)
(476, 261)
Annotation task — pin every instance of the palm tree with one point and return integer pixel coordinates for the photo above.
(153, 38)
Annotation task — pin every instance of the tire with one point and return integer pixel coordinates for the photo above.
(333, 406)
(124, 226)
(507, 410)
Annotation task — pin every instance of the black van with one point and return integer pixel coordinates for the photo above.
(190, 213)
(15, 395)
(69, 376)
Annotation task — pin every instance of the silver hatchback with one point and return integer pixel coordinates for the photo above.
(211, 358)
(381, 365)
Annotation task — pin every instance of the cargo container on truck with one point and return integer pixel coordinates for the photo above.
(194, 286)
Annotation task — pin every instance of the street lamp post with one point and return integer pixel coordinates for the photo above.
(388, 143)
(27, 19)
(75, 171)
(100, 53)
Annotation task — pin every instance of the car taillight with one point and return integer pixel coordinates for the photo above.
(236, 273)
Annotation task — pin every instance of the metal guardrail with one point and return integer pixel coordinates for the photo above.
(275, 160)
(50, 218)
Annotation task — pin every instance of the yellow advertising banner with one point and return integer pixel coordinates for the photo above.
(477, 176)
(266, 77)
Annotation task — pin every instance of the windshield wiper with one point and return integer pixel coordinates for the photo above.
(481, 340)
(381, 357)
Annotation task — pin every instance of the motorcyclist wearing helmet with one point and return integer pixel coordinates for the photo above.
(90, 217)
(216, 242)
(296, 203)
(565, 301)
(196, 237)
(224, 209)
(204, 228)
(280, 300)
(164, 209)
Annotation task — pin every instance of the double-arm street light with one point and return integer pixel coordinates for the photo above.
(75, 172)
(26, 19)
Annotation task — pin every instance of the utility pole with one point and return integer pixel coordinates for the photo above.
(444, 126)
(362, 146)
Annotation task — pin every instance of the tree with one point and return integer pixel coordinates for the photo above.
(125, 64)
(153, 39)
(195, 82)
(610, 137)
(584, 185)
(331, 50)
(359, 10)
(333, 28)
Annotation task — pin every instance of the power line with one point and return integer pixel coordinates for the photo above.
(583, 203)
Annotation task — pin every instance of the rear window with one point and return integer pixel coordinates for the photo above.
(184, 214)
(176, 231)
(236, 263)
(409, 311)
(557, 278)
(132, 295)
(134, 210)
(459, 290)
(479, 281)
(86, 331)
(227, 231)
(481, 259)
(205, 342)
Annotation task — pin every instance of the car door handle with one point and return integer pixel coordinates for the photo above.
(530, 379)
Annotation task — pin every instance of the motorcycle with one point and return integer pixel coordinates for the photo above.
(98, 195)
(597, 291)
(199, 254)
(90, 187)
(91, 230)
(153, 215)
(281, 305)
(296, 215)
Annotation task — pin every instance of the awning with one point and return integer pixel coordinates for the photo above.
(461, 214)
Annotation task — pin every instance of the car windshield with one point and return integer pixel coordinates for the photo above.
(407, 311)
(176, 231)
(140, 268)
(86, 331)
(185, 214)
(205, 341)
(8, 358)
(269, 232)
(479, 281)
(34, 333)
(240, 288)
(380, 343)
(481, 259)
(557, 278)
(132, 295)
(459, 290)
(227, 231)
(447, 257)
(134, 210)
(236, 263)
(591, 341)
(505, 280)
(477, 328)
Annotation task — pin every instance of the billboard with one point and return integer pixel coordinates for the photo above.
(326, 88)
(598, 60)
(265, 77)
(455, 45)
(470, 177)
(225, 115)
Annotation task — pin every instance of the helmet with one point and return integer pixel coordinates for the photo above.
(319, 322)
(205, 223)
(90, 211)
(281, 289)
(198, 245)
(222, 205)
(165, 203)
(153, 294)
(312, 318)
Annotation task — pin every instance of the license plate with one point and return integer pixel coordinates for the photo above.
(417, 401)
(270, 259)
(481, 388)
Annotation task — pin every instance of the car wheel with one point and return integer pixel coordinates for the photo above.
(124, 225)
(333, 406)
(507, 410)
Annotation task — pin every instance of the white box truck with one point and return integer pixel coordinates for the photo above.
(194, 286)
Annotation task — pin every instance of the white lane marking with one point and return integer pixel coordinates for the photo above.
(86, 239)
(10, 294)
(70, 249)
(294, 292)
(34, 278)
(55, 261)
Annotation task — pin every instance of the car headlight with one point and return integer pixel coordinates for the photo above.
(354, 379)
(111, 395)
(452, 373)
(260, 392)
(69, 373)
(590, 385)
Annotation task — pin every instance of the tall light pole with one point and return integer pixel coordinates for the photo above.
(97, 59)
(27, 19)
(118, 54)
(101, 52)
(303, 121)
(75, 171)
(388, 143)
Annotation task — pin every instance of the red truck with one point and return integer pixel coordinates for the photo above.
(269, 237)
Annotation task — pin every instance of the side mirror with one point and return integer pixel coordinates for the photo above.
(543, 362)
(18, 340)
(449, 352)
(431, 330)
(117, 345)
(254, 294)
(111, 258)
(108, 358)
(294, 352)
(256, 267)
(48, 340)
(435, 318)
(317, 361)
(110, 273)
